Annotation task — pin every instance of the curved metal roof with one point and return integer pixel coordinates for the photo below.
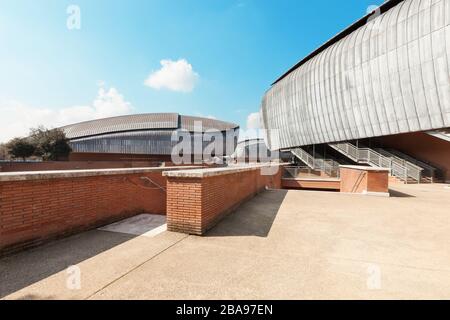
(139, 122)
(385, 6)
(385, 78)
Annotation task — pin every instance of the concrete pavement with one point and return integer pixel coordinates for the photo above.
(280, 245)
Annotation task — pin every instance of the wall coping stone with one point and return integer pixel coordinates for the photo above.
(59, 174)
(211, 172)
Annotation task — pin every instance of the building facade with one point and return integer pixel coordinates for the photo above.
(387, 75)
(149, 136)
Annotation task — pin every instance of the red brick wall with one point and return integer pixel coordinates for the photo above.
(313, 184)
(360, 181)
(378, 182)
(184, 209)
(195, 205)
(37, 210)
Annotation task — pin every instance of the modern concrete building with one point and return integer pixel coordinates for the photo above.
(146, 136)
(372, 94)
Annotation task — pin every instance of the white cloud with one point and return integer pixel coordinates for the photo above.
(173, 75)
(17, 118)
(254, 121)
(253, 128)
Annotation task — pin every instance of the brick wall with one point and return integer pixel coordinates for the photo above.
(39, 206)
(184, 210)
(312, 184)
(356, 179)
(36, 210)
(195, 203)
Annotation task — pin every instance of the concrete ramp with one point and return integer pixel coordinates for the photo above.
(147, 225)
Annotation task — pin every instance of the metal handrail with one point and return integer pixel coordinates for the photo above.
(329, 166)
(304, 156)
(295, 171)
(402, 170)
(369, 156)
(399, 160)
(428, 168)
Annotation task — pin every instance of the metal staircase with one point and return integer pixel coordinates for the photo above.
(404, 170)
(329, 166)
(429, 174)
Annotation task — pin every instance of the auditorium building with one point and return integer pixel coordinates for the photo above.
(378, 94)
(146, 137)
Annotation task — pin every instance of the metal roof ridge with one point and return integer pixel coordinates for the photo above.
(384, 7)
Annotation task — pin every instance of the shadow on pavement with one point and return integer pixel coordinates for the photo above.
(398, 194)
(253, 218)
(27, 267)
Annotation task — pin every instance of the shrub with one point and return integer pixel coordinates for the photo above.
(51, 144)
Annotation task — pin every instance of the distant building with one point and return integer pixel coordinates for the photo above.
(145, 136)
(251, 150)
(256, 150)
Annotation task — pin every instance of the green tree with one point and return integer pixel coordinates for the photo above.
(21, 148)
(51, 144)
(4, 153)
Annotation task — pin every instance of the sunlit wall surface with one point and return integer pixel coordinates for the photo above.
(389, 76)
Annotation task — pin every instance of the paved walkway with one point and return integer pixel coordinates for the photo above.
(280, 245)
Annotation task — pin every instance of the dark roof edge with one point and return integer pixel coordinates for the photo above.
(386, 6)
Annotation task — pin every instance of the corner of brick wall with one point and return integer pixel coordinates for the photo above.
(195, 205)
(184, 205)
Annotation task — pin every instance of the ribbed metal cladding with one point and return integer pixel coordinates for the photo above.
(389, 76)
(122, 123)
(188, 123)
(145, 142)
(147, 134)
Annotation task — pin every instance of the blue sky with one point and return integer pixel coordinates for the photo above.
(227, 53)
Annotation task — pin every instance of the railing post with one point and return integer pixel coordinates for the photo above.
(406, 175)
